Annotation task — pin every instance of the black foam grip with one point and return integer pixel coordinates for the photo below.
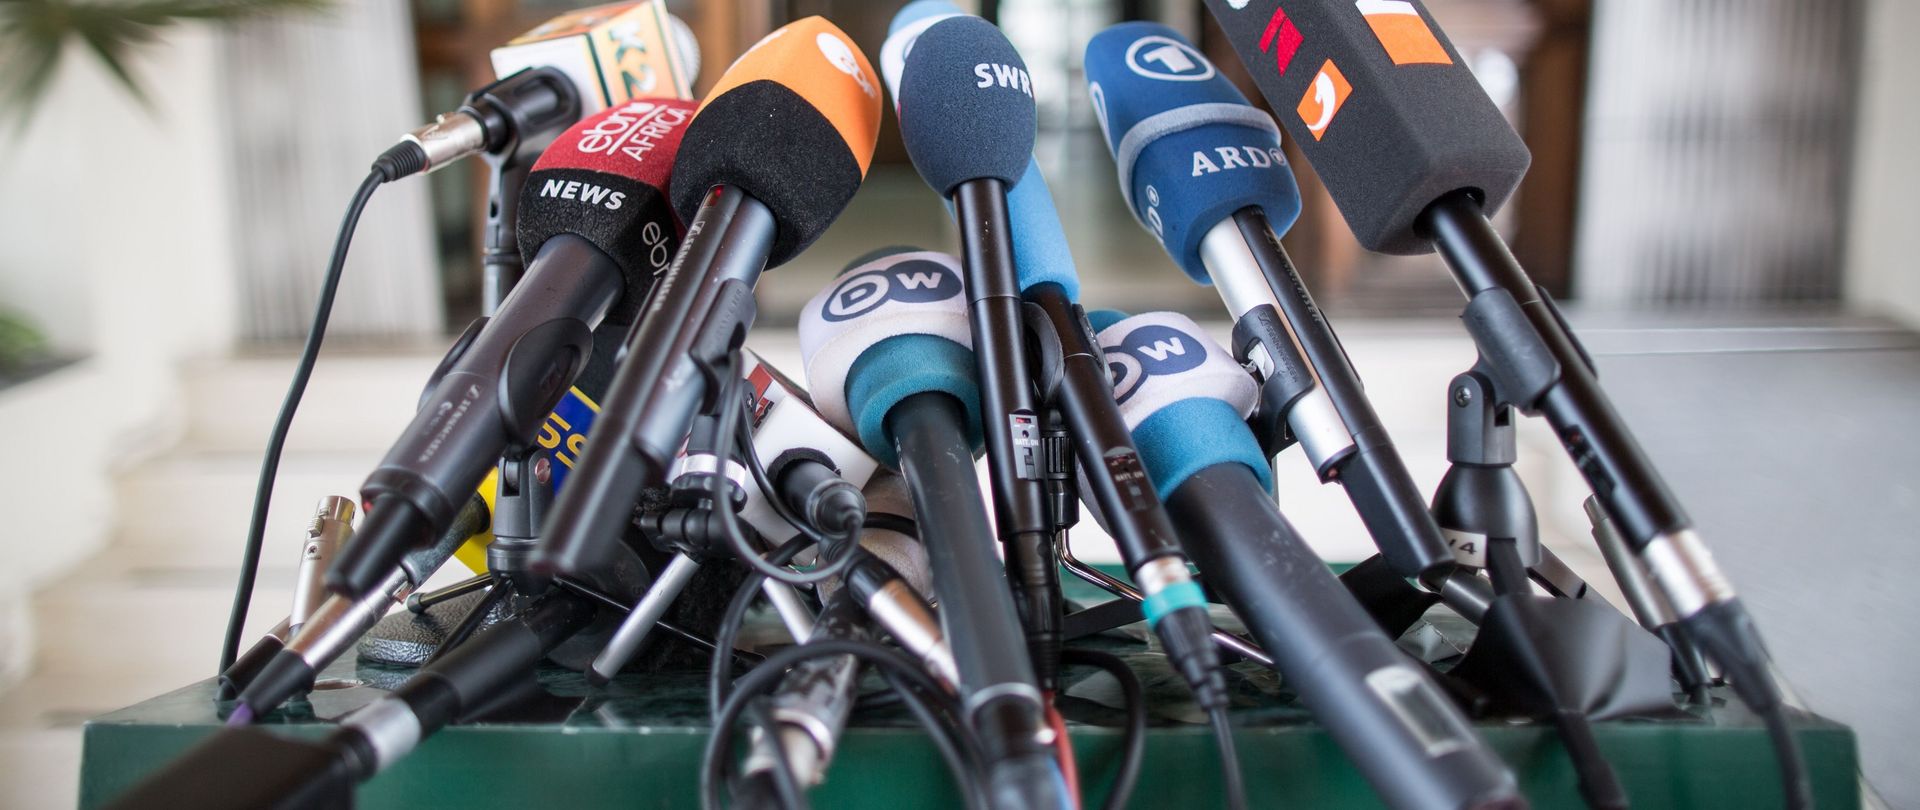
(637, 232)
(771, 143)
(1409, 122)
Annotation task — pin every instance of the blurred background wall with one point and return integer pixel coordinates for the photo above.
(158, 262)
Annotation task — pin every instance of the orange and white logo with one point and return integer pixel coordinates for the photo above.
(1324, 96)
(1398, 26)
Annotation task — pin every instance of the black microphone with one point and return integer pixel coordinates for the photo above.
(1185, 398)
(815, 471)
(600, 225)
(1417, 156)
(966, 110)
(329, 528)
(887, 360)
(545, 87)
(779, 147)
(243, 768)
(339, 621)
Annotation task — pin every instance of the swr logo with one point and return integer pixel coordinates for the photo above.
(915, 281)
(1013, 76)
(1324, 96)
(1151, 351)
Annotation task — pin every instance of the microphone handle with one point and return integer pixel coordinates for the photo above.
(1335, 421)
(697, 311)
(997, 688)
(1010, 414)
(1411, 743)
(457, 683)
(501, 266)
(495, 393)
(811, 705)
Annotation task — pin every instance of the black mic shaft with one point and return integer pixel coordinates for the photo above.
(766, 168)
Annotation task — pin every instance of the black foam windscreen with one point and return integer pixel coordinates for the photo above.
(605, 180)
(1382, 106)
(966, 105)
(767, 140)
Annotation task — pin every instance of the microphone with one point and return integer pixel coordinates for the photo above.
(815, 471)
(1417, 156)
(887, 358)
(776, 151)
(893, 581)
(965, 104)
(339, 621)
(611, 53)
(329, 528)
(1203, 172)
(1185, 398)
(1381, 105)
(600, 228)
(550, 77)
(242, 767)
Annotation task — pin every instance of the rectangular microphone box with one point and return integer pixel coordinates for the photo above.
(614, 53)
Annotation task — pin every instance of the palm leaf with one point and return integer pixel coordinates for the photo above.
(34, 34)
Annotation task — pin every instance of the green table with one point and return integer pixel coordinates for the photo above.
(638, 744)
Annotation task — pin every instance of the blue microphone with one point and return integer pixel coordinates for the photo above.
(1039, 245)
(965, 102)
(1202, 170)
(1190, 150)
(887, 355)
(1186, 397)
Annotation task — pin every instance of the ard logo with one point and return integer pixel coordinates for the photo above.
(1167, 59)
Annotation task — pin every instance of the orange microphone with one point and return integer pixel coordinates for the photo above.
(771, 158)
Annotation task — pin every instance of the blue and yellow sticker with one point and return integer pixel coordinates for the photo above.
(564, 436)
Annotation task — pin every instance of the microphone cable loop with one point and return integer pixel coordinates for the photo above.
(283, 421)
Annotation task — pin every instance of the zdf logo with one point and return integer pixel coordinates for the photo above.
(914, 281)
(1167, 59)
(1152, 350)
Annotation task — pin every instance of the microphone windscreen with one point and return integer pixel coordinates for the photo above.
(905, 27)
(793, 123)
(1382, 106)
(1182, 395)
(1189, 148)
(605, 179)
(966, 105)
(886, 329)
(1040, 251)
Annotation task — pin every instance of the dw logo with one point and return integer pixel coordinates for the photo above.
(915, 281)
(1151, 351)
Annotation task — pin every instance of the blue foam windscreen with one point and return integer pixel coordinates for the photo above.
(1100, 319)
(1040, 251)
(966, 105)
(900, 367)
(1189, 148)
(1192, 435)
(919, 10)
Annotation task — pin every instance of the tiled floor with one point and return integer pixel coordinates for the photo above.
(1793, 440)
